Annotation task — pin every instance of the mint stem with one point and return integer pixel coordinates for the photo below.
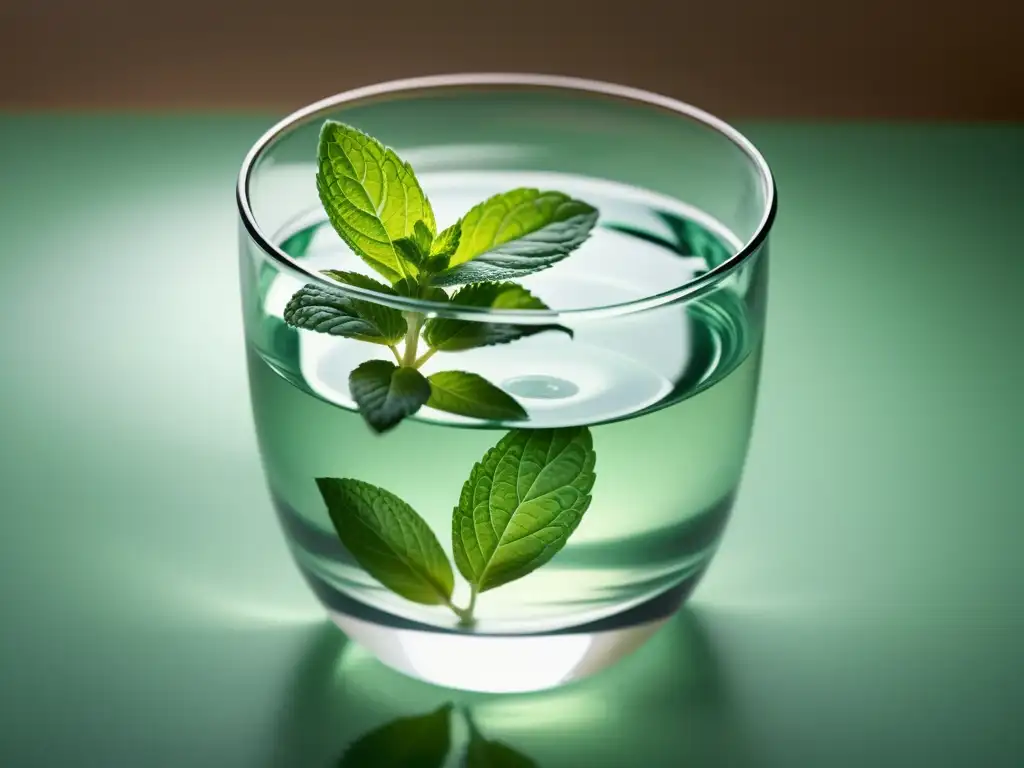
(424, 357)
(412, 337)
(465, 614)
(467, 715)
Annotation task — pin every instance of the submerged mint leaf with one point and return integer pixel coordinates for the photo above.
(327, 310)
(516, 233)
(409, 742)
(470, 395)
(386, 394)
(452, 335)
(389, 540)
(521, 503)
(372, 198)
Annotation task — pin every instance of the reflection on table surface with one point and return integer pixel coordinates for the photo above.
(864, 608)
(341, 703)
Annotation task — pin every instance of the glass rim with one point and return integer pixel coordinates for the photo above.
(397, 89)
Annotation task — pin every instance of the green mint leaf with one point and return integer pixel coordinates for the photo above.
(453, 335)
(327, 310)
(423, 235)
(435, 264)
(386, 394)
(443, 248)
(521, 503)
(412, 289)
(470, 395)
(516, 233)
(389, 540)
(372, 198)
(409, 742)
(359, 281)
(482, 753)
(447, 242)
(410, 251)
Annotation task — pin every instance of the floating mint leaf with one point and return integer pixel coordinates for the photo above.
(452, 335)
(521, 503)
(371, 197)
(328, 310)
(388, 539)
(470, 395)
(409, 742)
(516, 233)
(386, 394)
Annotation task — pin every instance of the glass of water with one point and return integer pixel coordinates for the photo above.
(534, 551)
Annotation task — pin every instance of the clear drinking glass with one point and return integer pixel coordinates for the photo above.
(651, 345)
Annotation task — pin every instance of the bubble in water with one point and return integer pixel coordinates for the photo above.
(540, 387)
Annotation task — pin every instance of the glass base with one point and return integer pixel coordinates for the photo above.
(496, 663)
(501, 663)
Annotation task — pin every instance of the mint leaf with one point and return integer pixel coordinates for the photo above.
(359, 281)
(372, 198)
(409, 742)
(443, 248)
(423, 235)
(482, 753)
(389, 540)
(416, 248)
(447, 242)
(452, 335)
(410, 251)
(521, 503)
(327, 310)
(470, 395)
(386, 394)
(411, 288)
(516, 233)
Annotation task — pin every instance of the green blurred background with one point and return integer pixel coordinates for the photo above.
(866, 606)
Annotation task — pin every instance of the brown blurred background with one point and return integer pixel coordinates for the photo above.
(951, 59)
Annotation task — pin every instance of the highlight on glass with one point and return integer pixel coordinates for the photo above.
(504, 336)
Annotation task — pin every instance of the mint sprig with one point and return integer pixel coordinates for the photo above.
(528, 494)
(378, 208)
(518, 508)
